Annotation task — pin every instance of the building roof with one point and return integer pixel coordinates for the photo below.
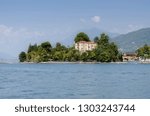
(88, 42)
(130, 54)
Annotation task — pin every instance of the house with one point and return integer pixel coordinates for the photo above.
(129, 57)
(84, 46)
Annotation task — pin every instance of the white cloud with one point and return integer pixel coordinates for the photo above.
(96, 19)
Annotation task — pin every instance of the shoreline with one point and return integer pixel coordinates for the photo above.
(62, 62)
(79, 62)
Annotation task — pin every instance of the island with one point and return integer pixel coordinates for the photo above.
(84, 50)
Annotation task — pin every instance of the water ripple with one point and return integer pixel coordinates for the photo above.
(74, 81)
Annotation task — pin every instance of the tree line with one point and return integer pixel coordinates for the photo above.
(105, 51)
(144, 52)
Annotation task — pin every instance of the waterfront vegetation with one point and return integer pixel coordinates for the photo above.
(104, 52)
(144, 52)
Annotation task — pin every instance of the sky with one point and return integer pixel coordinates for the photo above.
(34, 21)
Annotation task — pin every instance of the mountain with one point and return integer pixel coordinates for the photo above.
(132, 41)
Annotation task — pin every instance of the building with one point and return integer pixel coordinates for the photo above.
(84, 46)
(130, 57)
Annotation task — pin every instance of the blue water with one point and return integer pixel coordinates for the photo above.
(59, 81)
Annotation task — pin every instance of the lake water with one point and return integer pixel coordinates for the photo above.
(60, 81)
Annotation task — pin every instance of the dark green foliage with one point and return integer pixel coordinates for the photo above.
(91, 56)
(119, 57)
(32, 48)
(39, 53)
(58, 45)
(81, 37)
(104, 40)
(144, 51)
(84, 57)
(106, 51)
(22, 56)
(96, 39)
(46, 45)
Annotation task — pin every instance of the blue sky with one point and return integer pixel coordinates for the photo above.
(33, 21)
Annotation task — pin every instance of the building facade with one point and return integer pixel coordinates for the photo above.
(84, 46)
(130, 57)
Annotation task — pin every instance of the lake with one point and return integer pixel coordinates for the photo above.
(64, 81)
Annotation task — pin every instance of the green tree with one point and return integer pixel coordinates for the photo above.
(58, 56)
(58, 45)
(81, 37)
(113, 50)
(84, 56)
(119, 57)
(144, 51)
(103, 55)
(43, 54)
(32, 48)
(22, 57)
(76, 55)
(104, 39)
(32, 56)
(91, 56)
(106, 51)
(46, 45)
(96, 39)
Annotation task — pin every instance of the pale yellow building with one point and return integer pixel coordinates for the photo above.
(84, 46)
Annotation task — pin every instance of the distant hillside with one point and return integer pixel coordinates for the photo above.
(131, 41)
